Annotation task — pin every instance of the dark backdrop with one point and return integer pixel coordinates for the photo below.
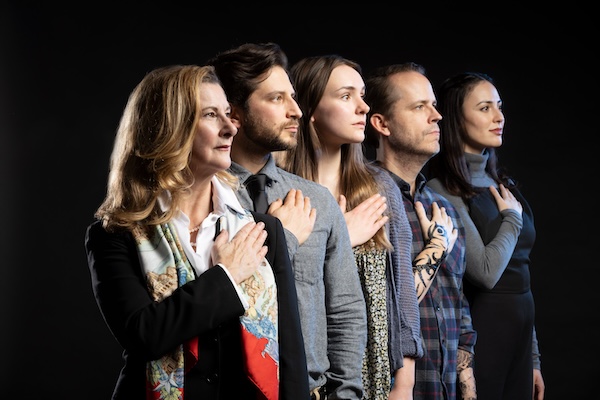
(65, 76)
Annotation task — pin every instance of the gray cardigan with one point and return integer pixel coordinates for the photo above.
(404, 323)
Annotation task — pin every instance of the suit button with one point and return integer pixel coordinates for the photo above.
(212, 378)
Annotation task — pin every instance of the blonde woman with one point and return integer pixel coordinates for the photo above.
(180, 270)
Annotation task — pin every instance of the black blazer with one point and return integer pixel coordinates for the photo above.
(207, 307)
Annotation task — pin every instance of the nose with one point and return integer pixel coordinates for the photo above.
(435, 115)
(230, 127)
(363, 107)
(294, 110)
(499, 116)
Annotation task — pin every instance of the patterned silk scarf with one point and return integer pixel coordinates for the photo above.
(168, 268)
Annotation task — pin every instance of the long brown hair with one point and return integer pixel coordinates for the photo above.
(449, 165)
(309, 77)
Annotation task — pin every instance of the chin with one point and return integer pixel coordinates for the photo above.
(290, 145)
(359, 138)
(223, 166)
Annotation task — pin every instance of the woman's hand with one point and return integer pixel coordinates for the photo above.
(365, 219)
(244, 253)
(506, 200)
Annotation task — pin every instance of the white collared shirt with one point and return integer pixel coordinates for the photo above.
(223, 198)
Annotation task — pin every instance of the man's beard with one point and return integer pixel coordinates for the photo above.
(267, 137)
(400, 146)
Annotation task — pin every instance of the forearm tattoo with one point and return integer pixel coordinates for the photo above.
(464, 360)
(466, 379)
(429, 259)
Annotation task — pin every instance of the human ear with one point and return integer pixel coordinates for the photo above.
(379, 122)
(235, 116)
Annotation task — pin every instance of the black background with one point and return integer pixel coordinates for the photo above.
(65, 75)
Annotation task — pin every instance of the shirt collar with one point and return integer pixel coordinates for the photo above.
(224, 197)
(404, 186)
(270, 169)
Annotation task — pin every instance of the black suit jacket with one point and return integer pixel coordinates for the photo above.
(207, 307)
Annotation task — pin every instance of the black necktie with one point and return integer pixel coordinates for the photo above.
(256, 188)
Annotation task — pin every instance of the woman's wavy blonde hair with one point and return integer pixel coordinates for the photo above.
(153, 147)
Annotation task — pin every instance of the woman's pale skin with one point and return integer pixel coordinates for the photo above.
(214, 134)
(340, 118)
(484, 124)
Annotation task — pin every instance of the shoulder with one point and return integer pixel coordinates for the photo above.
(97, 237)
(308, 187)
(384, 179)
(388, 187)
(439, 196)
(287, 176)
(380, 173)
(451, 203)
(95, 230)
(95, 226)
(436, 186)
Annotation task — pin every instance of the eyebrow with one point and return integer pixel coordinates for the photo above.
(424, 101)
(280, 92)
(350, 87)
(215, 108)
(489, 102)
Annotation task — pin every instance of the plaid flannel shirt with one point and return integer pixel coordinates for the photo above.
(445, 317)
